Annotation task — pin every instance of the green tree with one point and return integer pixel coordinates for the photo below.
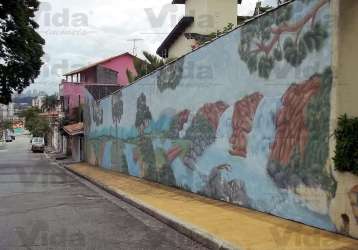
(5, 125)
(144, 67)
(37, 125)
(40, 128)
(49, 103)
(274, 37)
(346, 153)
(20, 46)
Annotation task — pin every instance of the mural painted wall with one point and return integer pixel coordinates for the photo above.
(244, 119)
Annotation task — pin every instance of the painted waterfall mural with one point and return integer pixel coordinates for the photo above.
(244, 119)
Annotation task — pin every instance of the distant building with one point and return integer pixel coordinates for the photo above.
(7, 112)
(38, 102)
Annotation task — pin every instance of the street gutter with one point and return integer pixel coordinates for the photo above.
(192, 232)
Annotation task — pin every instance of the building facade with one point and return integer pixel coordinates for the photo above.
(7, 111)
(100, 78)
(110, 72)
(38, 102)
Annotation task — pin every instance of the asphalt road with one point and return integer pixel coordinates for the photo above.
(44, 207)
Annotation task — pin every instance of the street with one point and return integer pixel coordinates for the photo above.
(44, 207)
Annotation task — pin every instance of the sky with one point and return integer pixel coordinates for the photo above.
(80, 32)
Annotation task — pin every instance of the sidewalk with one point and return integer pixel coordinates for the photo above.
(216, 224)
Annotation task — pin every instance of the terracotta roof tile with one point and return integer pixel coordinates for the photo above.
(74, 129)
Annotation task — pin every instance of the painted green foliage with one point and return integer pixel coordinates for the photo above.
(86, 115)
(143, 115)
(117, 107)
(177, 124)
(154, 163)
(173, 132)
(148, 157)
(119, 161)
(97, 113)
(200, 131)
(145, 145)
(201, 134)
(268, 40)
(146, 149)
(170, 76)
(310, 169)
(318, 120)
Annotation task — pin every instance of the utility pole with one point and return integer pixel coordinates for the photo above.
(134, 40)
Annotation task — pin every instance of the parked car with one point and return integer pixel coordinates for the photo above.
(13, 137)
(38, 144)
(8, 138)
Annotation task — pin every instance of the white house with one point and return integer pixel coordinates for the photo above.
(202, 17)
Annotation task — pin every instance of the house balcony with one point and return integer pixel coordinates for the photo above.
(72, 95)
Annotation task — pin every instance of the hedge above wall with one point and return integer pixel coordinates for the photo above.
(346, 158)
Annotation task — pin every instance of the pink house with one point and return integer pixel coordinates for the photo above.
(109, 73)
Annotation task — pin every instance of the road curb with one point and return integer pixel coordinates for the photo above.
(190, 231)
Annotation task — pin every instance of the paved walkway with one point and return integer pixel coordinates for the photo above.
(239, 227)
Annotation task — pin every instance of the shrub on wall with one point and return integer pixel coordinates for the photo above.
(346, 158)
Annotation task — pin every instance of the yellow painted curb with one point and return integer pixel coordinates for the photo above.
(229, 224)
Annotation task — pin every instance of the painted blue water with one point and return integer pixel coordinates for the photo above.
(107, 159)
(161, 125)
(133, 167)
(165, 144)
(264, 194)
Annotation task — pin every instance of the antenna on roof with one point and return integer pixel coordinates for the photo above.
(134, 40)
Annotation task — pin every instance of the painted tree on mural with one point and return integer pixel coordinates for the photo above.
(306, 164)
(143, 116)
(87, 116)
(201, 134)
(148, 158)
(117, 107)
(166, 175)
(145, 145)
(97, 113)
(177, 124)
(275, 37)
(119, 160)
